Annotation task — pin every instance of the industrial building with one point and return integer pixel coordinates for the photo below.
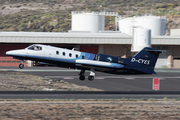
(88, 35)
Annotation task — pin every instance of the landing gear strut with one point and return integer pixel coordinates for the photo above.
(91, 75)
(21, 66)
(81, 75)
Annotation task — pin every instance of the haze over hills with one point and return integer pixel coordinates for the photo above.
(55, 15)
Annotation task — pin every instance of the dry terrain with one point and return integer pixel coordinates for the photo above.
(15, 81)
(90, 110)
(15, 8)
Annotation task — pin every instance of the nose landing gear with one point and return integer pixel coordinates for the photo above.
(21, 66)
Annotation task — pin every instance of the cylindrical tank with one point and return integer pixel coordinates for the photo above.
(141, 39)
(126, 25)
(156, 24)
(93, 22)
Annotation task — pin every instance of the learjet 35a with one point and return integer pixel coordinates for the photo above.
(141, 63)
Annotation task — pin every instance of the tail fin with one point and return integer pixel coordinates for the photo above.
(145, 60)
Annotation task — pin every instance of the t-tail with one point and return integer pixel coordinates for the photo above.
(145, 60)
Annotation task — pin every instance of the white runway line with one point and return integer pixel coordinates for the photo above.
(68, 78)
(35, 70)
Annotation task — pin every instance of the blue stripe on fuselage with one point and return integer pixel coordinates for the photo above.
(88, 56)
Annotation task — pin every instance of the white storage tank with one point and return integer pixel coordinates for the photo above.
(126, 25)
(156, 24)
(93, 22)
(141, 39)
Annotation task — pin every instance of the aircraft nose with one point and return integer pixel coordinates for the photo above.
(15, 52)
(9, 53)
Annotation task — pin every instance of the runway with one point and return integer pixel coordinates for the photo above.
(169, 78)
(169, 81)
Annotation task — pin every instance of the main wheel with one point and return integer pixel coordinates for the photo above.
(91, 78)
(82, 77)
(21, 66)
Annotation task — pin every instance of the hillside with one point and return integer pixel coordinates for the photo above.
(55, 15)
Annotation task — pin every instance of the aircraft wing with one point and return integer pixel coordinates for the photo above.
(97, 64)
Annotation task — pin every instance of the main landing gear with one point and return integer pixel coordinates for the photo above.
(81, 75)
(90, 77)
(21, 66)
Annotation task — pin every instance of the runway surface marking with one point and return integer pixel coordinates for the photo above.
(35, 70)
(100, 78)
(68, 78)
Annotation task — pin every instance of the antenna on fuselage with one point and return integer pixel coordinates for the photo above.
(73, 49)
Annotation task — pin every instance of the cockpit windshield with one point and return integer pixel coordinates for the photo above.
(35, 47)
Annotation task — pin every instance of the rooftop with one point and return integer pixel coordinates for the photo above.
(80, 38)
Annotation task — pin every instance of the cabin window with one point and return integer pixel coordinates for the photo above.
(57, 52)
(70, 55)
(83, 57)
(76, 56)
(64, 53)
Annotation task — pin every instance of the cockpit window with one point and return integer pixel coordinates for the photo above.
(35, 47)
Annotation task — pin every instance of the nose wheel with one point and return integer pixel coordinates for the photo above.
(21, 66)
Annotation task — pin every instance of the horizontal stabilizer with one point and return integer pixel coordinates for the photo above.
(158, 51)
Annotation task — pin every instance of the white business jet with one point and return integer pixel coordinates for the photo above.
(142, 63)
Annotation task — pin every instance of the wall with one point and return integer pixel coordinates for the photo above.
(116, 50)
(175, 32)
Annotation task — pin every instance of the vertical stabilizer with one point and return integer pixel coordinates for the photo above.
(145, 60)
